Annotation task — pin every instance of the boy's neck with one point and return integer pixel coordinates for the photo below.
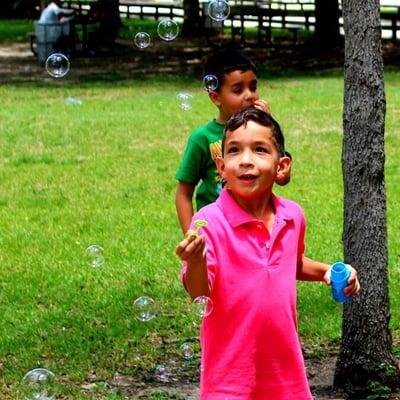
(261, 208)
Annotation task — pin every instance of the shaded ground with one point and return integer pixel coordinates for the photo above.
(183, 381)
(125, 61)
(17, 64)
(320, 373)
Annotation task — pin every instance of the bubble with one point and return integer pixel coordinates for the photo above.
(218, 10)
(39, 385)
(203, 306)
(167, 29)
(96, 255)
(144, 308)
(73, 101)
(210, 82)
(186, 351)
(162, 373)
(57, 65)
(142, 40)
(185, 100)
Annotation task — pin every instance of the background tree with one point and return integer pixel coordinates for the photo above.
(18, 8)
(327, 30)
(191, 20)
(366, 349)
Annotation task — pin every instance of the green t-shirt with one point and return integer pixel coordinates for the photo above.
(198, 164)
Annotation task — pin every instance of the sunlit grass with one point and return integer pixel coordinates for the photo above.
(103, 173)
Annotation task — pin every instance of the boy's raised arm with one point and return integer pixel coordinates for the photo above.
(192, 250)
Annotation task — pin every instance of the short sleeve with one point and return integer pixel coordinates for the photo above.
(301, 241)
(193, 161)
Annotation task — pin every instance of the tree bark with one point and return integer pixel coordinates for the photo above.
(366, 349)
(327, 33)
(191, 20)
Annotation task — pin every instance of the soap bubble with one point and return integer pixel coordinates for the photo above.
(57, 65)
(218, 10)
(186, 351)
(210, 82)
(144, 308)
(142, 40)
(162, 374)
(167, 29)
(203, 306)
(39, 384)
(96, 256)
(73, 101)
(185, 100)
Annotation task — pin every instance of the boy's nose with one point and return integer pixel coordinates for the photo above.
(249, 95)
(246, 158)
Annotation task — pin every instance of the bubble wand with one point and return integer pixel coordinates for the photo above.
(199, 223)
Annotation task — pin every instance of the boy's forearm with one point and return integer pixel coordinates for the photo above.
(184, 206)
(196, 279)
(185, 218)
(311, 270)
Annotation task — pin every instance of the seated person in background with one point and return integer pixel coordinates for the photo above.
(54, 13)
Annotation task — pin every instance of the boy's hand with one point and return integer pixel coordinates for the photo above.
(353, 285)
(262, 105)
(192, 248)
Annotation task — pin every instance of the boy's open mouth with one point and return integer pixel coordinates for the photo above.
(247, 177)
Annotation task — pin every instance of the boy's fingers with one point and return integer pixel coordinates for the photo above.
(353, 285)
(182, 246)
(190, 246)
(262, 105)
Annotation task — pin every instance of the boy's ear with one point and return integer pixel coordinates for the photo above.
(283, 173)
(219, 161)
(214, 97)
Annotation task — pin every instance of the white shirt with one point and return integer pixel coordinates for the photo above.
(50, 14)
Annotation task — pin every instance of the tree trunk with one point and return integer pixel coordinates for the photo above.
(191, 20)
(366, 349)
(327, 33)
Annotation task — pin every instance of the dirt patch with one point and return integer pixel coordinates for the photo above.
(320, 374)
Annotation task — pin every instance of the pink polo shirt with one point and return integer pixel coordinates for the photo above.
(250, 346)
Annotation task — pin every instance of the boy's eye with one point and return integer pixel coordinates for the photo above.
(260, 149)
(253, 87)
(233, 149)
(237, 90)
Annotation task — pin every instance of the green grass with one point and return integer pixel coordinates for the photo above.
(103, 173)
(15, 30)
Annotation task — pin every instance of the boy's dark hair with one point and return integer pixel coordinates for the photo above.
(261, 118)
(226, 61)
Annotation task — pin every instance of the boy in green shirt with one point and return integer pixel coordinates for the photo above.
(236, 90)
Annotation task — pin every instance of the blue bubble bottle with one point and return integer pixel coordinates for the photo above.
(339, 276)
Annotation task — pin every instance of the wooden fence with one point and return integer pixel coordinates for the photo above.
(292, 15)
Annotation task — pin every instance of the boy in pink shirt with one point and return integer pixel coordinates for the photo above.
(247, 260)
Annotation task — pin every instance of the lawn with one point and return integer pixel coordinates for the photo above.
(103, 173)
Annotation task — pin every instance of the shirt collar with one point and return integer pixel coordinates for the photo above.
(215, 126)
(236, 216)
